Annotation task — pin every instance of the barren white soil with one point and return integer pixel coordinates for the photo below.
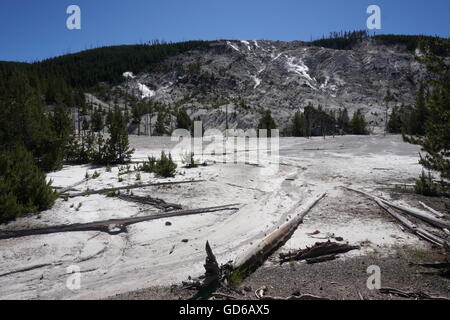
(153, 254)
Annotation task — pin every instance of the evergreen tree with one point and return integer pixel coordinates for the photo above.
(344, 120)
(137, 111)
(85, 126)
(160, 126)
(97, 124)
(63, 129)
(183, 120)
(435, 140)
(419, 116)
(267, 122)
(23, 187)
(118, 149)
(358, 123)
(395, 124)
(300, 125)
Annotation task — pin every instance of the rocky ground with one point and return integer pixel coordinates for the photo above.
(337, 280)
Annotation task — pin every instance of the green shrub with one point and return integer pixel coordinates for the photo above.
(149, 166)
(426, 186)
(164, 167)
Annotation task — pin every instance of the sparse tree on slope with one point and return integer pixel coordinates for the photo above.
(435, 141)
(118, 148)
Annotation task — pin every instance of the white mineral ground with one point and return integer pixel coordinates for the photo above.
(112, 264)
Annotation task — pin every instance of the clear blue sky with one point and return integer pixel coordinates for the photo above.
(35, 29)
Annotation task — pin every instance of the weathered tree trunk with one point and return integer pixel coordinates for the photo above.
(256, 255)
(404, 221)
(410, 211)
(113, 226)
(133, 186)
(436, 213)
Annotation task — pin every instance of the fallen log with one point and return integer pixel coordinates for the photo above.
(405, 222)
(113, 226)
(410, 211)
(256, 255)
(436, 213)
(412, 227)
(130, 187)
(319, 250)
(158, 203)
(64, 190)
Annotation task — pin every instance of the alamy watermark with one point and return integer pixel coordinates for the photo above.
(374, 20)
(254, 147)
(374, 280)
(73, 281)
(73, 22)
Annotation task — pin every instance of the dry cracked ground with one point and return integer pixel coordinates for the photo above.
(152, 258)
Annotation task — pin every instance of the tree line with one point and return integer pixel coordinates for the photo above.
(314, 121)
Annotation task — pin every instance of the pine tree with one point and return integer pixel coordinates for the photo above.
(63, 129)
(299, 125)
(137, 111)
(358, 123)
(435, 141)
(97, 124)
(23, 187)
(160, 126)
(395, 124)
(344, 120)
(267, 122)
(118, 149)
(419, 116)
(183, 120)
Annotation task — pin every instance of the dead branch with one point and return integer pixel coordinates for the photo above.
(113, 226)
(224, 296)
(436, 213)
(405, 222)
(155, 202)
(130, 187)
(212, 269)
(418, 295)
(303, 297)
(62, 191)
(321, 251)
(410, 211)
(38, 266)
(321, 259)
(438, 265)
(212, 277)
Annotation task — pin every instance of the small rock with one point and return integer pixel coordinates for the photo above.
(185, 240)
(339, 239)
(296, 293)
(168, 223)
(247, 288)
